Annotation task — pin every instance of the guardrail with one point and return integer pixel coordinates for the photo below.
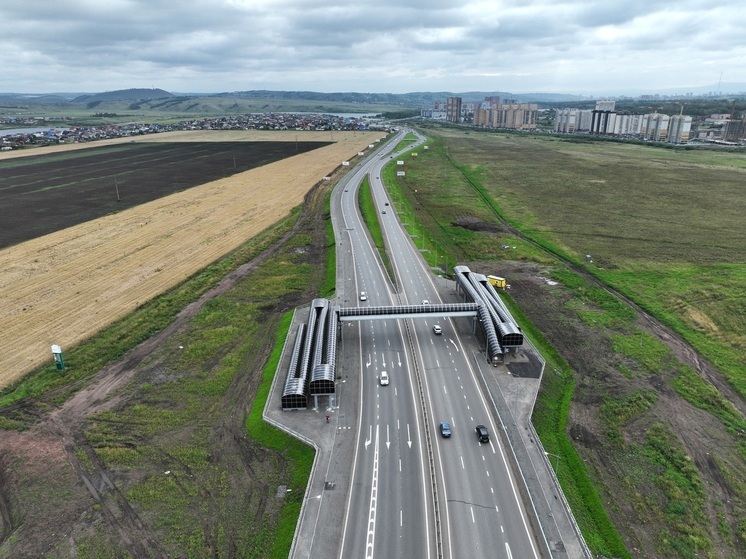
(428, 441)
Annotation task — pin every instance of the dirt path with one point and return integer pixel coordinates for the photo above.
(64, 287)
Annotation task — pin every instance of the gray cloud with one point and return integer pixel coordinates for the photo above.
(334, 45)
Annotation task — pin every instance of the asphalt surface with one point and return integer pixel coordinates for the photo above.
(330, 426)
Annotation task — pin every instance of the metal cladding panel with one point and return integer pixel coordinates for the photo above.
(510, 334)
(294, 402)
(309, 341)
(507, 328)
(403, 311)
(493, 345)
(331, 343)
(319, 344)
(300, 336)
(294, 391)
(294, 395)
(322, 380)
(294, 386)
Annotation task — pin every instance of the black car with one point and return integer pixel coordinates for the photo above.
(445, 429)
(483, 435)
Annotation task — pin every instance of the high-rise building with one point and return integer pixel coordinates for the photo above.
(572, 120)
(453, 109)
(655, 127)
(566, 120)
(679, 127)
(606, 105)
(518, 116)
(600, 121)
(735, 130)
(481, 115)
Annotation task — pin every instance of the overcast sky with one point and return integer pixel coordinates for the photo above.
(589, 47)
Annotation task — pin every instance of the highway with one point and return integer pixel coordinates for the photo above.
(388, 495)
(414, 493)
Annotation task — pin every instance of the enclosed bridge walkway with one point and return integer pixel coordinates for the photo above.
(312, 368)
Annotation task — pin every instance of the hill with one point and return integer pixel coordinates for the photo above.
(134, 94)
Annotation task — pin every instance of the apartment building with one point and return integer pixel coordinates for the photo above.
(655, 127)
(735, 130)
(566, 120)
(453, 109)
(517, 116)
(679, 128)
(605, 120)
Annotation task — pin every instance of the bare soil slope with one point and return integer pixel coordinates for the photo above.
(64, 287)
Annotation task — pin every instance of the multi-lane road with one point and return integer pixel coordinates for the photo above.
(414, 493)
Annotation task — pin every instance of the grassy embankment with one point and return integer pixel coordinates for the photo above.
(535, 184)
(370, 214)
(175, 413)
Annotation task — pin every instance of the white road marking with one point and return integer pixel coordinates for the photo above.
(373, 503)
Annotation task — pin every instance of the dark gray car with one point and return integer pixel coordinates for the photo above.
(483, 435)
(445, 429)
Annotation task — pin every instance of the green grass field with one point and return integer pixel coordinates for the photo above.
(663, 227)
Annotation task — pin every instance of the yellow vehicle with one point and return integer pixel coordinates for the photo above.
(497, 281)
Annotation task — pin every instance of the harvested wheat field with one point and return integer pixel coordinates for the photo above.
(64, 287)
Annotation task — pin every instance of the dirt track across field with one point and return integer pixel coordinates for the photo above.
(64, 287)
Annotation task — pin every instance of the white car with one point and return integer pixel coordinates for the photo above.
(384, 378)
(437, 330)
(363, 296)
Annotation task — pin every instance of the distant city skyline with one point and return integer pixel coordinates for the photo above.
(582, 47)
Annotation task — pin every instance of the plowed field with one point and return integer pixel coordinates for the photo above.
(63, 287)
(43, 194)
